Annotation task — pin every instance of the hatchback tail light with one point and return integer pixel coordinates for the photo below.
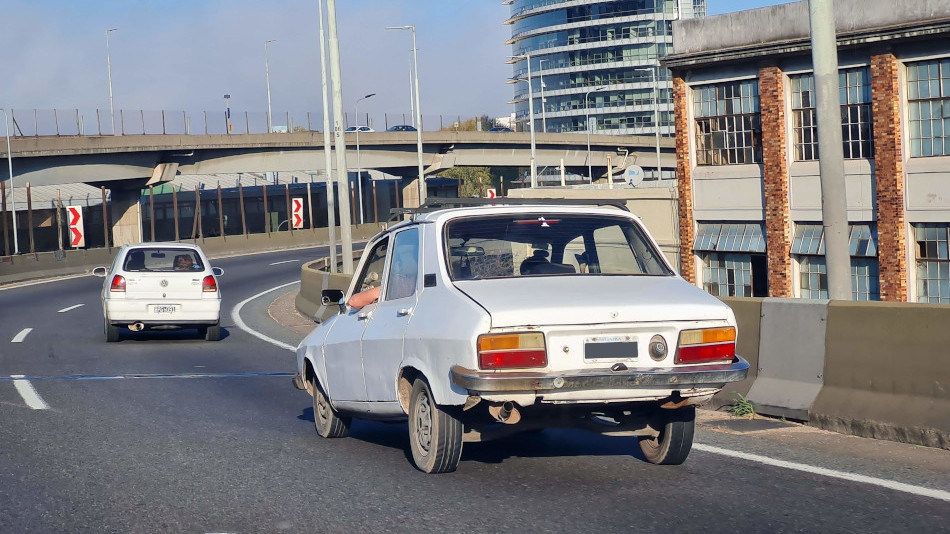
(511, 351)
(208, 285)
(118, 283)
(706, 345)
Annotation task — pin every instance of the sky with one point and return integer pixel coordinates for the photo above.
(186, 54)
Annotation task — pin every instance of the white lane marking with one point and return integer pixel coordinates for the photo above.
(285, 261)
(236, 317)
(21, 336)
(64, 310)
(889, 484)
(30, 396)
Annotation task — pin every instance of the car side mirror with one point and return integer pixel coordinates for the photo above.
(217, 271)
(333, 296)
(100, 272)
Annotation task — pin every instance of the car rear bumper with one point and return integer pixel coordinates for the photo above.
(206, 311)
(702, 376)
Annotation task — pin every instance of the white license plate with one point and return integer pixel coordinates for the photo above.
(165, 309)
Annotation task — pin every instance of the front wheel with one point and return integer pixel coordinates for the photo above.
(328, 422)
(672, 445)
(435, 434)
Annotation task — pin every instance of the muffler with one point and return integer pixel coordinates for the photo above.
(505, 412)
(136, 327)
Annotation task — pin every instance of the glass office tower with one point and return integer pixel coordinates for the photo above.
(596, 59)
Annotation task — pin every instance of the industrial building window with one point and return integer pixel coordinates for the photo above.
(854, 87)
(728, 123)
(928, 107)
(808, 247)
(734, 263)
(933, 262)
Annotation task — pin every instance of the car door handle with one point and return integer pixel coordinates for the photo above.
(404, 311)
(362, 315)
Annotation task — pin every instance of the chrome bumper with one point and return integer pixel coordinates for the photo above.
(700, 376)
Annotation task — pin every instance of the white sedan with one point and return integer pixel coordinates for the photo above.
(479, 322)
(160, 285)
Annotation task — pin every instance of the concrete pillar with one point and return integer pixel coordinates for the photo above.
(889, 177)
(410, 194)
(775, 181)
(126, 216)
(684, 179)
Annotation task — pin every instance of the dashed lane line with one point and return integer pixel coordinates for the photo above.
(236, 317)
(285, 261)
(21, 336)
(863, 479)
(30, 396)
(73, 307)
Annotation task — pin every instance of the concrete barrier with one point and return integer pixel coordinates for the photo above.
(748, 316)
(887, 372)
(314, 278)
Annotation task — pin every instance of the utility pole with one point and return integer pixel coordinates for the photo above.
(328, 161)
(346, 231)
(834, 204)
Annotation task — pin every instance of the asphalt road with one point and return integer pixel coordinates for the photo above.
(165, 432)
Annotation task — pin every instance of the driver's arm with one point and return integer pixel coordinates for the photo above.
(363, 298)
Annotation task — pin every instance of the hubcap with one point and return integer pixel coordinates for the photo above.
(424, 424)
(323, 410)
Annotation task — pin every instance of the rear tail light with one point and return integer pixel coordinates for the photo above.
(706, 345)
(511, 351)
(118, 283)
(208, 285)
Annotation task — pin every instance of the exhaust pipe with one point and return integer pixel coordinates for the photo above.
(505, 412)
(135, 327)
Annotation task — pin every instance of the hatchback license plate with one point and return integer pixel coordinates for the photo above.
(164, 309)
(610, 350)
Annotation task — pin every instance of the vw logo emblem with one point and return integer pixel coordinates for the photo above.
(164, 283)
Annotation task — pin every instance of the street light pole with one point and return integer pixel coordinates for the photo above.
(544, 120)
(6, 124)
(534, 164)
(654, 71)
(359, 166)
(270, 128)
(423, 191)
(336, 78)
(227, 112)
(328, 161)
(590, 165)
(109, 66)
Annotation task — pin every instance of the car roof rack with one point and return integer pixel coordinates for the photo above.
(439, 203)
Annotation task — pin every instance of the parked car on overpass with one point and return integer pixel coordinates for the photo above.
(482, 321)
(401, 128)
(160, 285)
(362, 129)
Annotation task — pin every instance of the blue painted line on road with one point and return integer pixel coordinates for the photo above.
(148, 376)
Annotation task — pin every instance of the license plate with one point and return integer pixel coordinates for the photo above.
(613, 350)
(164, 309)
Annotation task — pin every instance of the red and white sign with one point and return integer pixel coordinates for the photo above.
(77, 235)
(296, 212)
(489, 193)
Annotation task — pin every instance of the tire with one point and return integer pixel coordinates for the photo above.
(328, 422)
(435, 434)
(673, 444)
(211, 333)
(111, 331)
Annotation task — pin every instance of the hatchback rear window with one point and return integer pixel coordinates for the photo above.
(162, 260)
(506, 246)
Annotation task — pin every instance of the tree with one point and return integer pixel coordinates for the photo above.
(473, 181)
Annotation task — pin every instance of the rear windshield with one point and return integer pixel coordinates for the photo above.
(162, 260)
(506, 246)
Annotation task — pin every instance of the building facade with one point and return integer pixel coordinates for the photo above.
(594, 64)
(747, 150)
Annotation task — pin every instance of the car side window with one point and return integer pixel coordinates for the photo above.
(372, 272)
(404, 269)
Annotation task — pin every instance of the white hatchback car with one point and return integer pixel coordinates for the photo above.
(160, 285)
(499, 319)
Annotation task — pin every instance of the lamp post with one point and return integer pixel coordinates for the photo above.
(270, 128)
(423, 192)
(227, 112)
(109, 66)
(656, 113)
(544, 120)
(359, 166)
(6, 124)
(590, 165)
(534, 164)
(327, 154)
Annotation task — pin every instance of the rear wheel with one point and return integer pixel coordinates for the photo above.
(672, 445)
(112, 332)
(435, 434)
(328, 422)
(211, 333)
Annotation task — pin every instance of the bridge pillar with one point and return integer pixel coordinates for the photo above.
(410, 194)
(126, 215)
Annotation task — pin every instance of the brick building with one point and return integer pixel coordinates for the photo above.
(747, 150)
